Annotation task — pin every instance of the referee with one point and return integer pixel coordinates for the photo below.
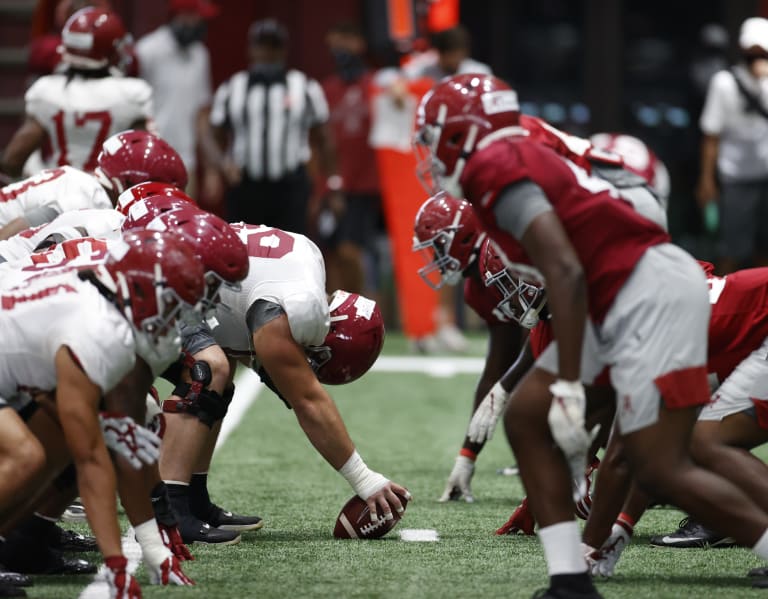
(263, 123)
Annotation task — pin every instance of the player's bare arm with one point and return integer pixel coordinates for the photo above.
(26, 140)
(550, 249)
(77, 400)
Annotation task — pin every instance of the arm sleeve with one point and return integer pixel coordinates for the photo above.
(219, 116)
(205, 80)
(518, 205)
(41, 215)
(317, 105)
(712, 115)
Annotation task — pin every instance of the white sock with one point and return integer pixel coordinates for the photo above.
(562, 548)
(761, 547)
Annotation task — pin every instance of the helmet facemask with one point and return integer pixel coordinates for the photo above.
(521, 300)
(441, 268)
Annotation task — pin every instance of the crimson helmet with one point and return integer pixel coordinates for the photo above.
(638, 158)
(142, 191)
(141, 213)
(217, 245)
(455, 118)
(523, 294)
(94, 38)
(354, 341)
(448, 234)
(131, 157)
(155, 278)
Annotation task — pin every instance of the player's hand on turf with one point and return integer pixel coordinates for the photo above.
(458, 485)
(603, 561)
(122, 585)
(486, 416)
(135, 443)
(168, 572)
(172, 539)
(382, 503)
(566, 419)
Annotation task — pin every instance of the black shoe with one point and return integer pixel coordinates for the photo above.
(564, 593)
(691, 534)
(69, 540)
(225, 520)
(50, 561)
(194, 530)
(14, 578)
(9, 590)
(761, 571)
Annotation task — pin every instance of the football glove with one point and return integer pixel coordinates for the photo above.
(458, 485)
(172, 539)
(486, 416)
(566, 422)
(122, 585)
(603, 561)
(135, 443)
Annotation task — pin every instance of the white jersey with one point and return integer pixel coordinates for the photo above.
(79, 113)
(36, 320)
(284, 268)
(42, 198)
(103, 223)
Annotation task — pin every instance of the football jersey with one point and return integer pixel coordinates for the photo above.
(607, 234)
(739, 321)
(286, 269)
(79, 113)
(56, 190)
(576, 149)
(48, 313)
(94, 222)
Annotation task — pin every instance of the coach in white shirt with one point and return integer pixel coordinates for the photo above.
(276, 117)
(734, 151)
(176, 63)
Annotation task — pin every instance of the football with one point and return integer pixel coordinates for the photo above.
(354, 521)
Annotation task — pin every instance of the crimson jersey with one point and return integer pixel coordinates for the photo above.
(739, 321)
(483, 300)
(576, 149)
(584, 204)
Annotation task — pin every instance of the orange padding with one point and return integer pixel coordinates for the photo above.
(443, 14)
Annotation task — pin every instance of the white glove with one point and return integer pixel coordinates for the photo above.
(566, 422)
(135, 443)
(603, 561)
(458, 482)
(486, 416)
(162, 565)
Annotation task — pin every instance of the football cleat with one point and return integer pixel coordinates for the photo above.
(521, 521)
(69, 540)
(226, 520)
(564, 593)
(194, 530)
(691, 534)
(10, 590)
(75, 512)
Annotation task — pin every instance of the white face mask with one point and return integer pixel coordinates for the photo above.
(160, 353)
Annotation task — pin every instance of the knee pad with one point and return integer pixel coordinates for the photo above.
(207, 405)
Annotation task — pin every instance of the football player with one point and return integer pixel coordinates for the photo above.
(126, 159)
(280, 324)
(618, 293)
(72, 113)
(103, 317)
(735, 417)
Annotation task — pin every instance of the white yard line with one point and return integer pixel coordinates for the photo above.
(440, 367)
(247, 389)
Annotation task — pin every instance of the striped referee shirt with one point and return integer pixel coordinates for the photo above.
(270, 122)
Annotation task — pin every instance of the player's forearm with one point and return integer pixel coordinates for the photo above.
(567, 295)
(321, 422)
(96, 483)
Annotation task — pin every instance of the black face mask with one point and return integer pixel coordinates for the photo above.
(188, 34)
(349, 66)
(267, 72)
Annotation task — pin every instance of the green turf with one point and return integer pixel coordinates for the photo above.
(408, 427)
